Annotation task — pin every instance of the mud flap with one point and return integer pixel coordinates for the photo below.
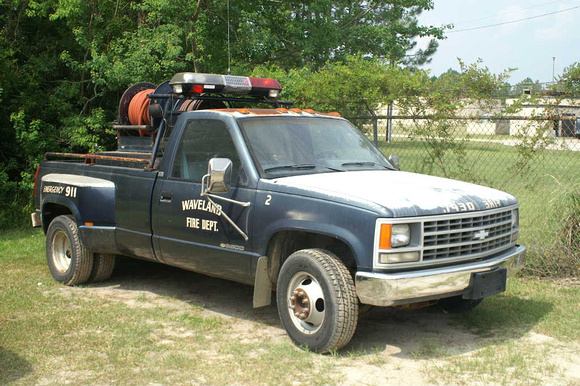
(262, 285)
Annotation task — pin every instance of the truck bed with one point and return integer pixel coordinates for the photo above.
(124, 203)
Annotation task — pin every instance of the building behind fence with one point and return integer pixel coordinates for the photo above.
(537, 159)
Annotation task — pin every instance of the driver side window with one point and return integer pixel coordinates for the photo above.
(202, 140)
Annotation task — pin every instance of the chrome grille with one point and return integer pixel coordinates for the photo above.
(461, 237)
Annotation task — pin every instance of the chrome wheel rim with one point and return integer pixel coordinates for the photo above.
(306, 303)
(61, 251)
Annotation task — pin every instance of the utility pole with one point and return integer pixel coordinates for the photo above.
(553, 69)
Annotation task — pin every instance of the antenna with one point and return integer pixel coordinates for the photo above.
(229, 51)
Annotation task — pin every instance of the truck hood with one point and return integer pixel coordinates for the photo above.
(400, 194)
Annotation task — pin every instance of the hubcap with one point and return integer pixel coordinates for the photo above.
(61, 251)
(306, 304)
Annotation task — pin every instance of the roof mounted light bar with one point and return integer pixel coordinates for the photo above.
(187, 83)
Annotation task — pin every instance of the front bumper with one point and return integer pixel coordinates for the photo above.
(388, 289)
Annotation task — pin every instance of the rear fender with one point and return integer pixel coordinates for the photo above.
(88, 199)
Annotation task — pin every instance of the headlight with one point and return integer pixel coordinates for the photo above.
(401, 235)
(394, 235)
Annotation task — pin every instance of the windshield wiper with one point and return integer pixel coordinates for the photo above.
(363, 163)
(333, 169)
(291, 167)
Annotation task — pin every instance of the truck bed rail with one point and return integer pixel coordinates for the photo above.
(91, 158)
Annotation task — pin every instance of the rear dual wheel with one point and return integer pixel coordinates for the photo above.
(317, 302)
(103, 266)
(68, 260)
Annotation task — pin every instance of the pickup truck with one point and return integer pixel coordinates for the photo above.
(287, 200)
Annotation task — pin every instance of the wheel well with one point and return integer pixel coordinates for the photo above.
(52, 211)
(284, 243)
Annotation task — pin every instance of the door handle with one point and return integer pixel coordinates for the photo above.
(166, 197)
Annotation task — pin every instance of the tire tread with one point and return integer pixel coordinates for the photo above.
(103, 266)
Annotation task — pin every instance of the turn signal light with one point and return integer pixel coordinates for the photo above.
(385, 236)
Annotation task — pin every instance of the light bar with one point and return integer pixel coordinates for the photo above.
(188, 83)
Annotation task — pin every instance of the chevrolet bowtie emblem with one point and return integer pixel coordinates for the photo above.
(481, 235)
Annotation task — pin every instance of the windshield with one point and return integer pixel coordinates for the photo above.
(284, 146)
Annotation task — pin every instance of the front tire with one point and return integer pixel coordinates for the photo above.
(317, 301)
(68, 260)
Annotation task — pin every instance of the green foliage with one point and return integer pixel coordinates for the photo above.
(569, 82)
(563, 251)
(438, 101)
(526, 87)
(352, 87)
(14, 211)
(294, 34)
(65, 63)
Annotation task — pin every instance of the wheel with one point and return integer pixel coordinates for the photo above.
(317, 302)
(457, 304)
(103, 266)
(68, 260)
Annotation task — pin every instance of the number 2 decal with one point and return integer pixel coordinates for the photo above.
(268, 199)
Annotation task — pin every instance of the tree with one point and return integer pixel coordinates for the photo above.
(569, 82)
(526, 87)
(299, 33)
(64, 64)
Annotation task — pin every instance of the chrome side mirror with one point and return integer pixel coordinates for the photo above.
(394, 160)
(219, 172)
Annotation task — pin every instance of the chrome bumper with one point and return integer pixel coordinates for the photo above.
(388, 289)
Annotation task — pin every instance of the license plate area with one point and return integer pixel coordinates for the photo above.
(484, 284)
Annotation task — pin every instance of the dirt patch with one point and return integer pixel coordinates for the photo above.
(391, 346)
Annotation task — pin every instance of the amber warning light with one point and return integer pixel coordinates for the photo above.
(195, 83)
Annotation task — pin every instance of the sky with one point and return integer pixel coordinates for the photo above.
(529, 45)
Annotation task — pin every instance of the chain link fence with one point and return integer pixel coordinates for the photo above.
(535, 159)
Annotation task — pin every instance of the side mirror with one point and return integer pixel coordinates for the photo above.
(219, 171)
(394, 160)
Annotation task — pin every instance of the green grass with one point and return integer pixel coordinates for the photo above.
(52, 334)
(529, 304)
(520, 335)
(509, 363)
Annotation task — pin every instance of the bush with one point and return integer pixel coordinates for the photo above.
(17, 206)
(559, 254)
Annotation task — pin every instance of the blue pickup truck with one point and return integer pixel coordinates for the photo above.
(287, 200)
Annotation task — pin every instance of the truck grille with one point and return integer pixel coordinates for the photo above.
(465, 236)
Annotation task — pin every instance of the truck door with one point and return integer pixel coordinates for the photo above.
(187, 229)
